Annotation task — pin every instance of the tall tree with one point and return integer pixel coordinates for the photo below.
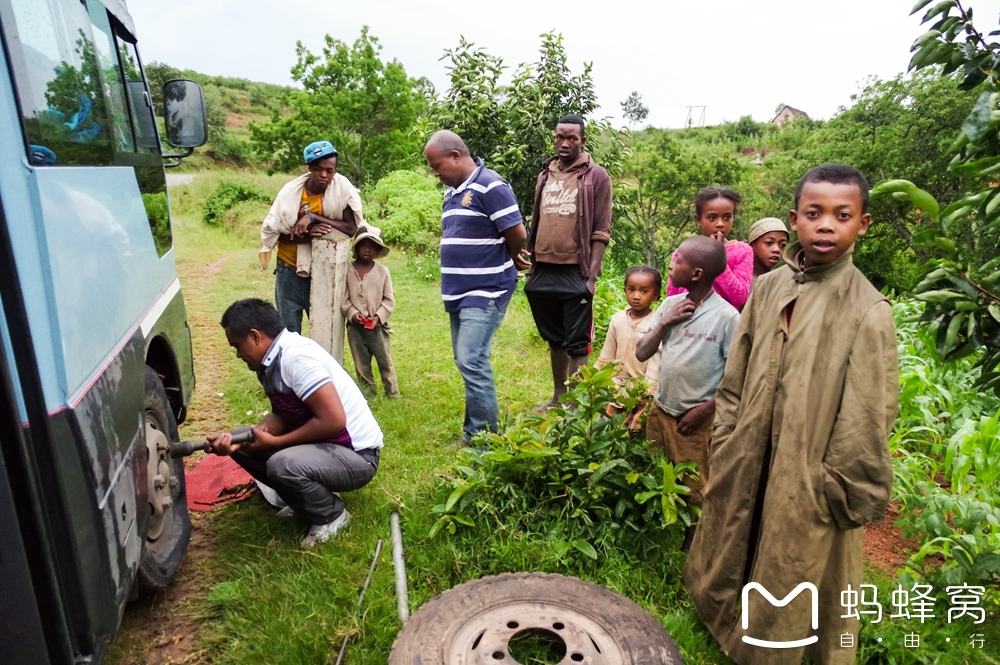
(366, 107)
(512, 126)
(634, 110)
(654, 204)
(961, 286)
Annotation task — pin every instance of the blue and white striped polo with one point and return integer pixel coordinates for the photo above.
(475, 265)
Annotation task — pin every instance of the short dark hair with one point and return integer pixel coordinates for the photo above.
(574, 119)
(252, 314)
(706, 253)
(646, 270)
(711, 193)
(838, 174)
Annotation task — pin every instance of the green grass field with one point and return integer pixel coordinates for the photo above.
(267, 601)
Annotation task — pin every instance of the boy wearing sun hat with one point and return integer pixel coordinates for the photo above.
(367, 305)
(767, 238)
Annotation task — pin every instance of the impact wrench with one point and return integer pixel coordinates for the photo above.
(185, 448)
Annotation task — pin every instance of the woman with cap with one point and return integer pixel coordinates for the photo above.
(367, 305)
(768, 238)
(311, 222)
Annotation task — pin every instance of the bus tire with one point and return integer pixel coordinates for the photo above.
(169, 530)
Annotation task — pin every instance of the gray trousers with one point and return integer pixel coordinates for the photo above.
(305, 476)
(368, 344)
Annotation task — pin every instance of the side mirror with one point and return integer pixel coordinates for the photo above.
(186, 121)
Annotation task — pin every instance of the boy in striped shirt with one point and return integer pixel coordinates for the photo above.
(481, 243)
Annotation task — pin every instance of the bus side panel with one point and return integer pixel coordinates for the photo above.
(105, 272)
(108, 515)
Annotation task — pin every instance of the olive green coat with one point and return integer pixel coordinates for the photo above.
(818, 399)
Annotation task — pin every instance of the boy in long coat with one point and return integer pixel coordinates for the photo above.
(799, 457)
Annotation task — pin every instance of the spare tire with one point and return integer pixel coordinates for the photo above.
(474, 622)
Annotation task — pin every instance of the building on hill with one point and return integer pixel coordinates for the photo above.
(787, 114)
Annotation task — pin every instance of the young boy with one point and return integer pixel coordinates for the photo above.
(694, 330)
(799, 455)
(367, 305)
(767, 238)
(320, 437)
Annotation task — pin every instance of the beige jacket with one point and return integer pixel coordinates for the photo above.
(799, 461)
(284, 212)
(370, 296)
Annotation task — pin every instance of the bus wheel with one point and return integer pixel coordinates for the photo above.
(169, 522)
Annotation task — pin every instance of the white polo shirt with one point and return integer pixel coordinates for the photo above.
(294, 368)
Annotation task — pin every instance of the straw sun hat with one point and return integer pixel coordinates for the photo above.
(375, 235)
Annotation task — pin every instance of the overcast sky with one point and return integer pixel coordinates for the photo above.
(737, 57)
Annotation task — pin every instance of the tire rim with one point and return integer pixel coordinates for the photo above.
(484, 638)
(159, 476)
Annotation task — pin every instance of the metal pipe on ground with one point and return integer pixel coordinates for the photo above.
(402, 594)
(361, 597)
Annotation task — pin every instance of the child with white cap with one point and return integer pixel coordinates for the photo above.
(768, 238)
(367, 304)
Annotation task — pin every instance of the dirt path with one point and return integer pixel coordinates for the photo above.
(162, 629)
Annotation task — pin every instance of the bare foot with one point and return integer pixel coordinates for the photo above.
(545, 407)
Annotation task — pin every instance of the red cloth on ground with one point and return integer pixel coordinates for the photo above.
(215, 481)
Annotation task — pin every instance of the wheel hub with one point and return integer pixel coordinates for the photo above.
(159, 477)
(485, 637)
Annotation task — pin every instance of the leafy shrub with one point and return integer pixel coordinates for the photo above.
(406, 205)
(227, 195)
(609, 299)
(158, 213)
(573, 475)
(245, 218)
(947, 463)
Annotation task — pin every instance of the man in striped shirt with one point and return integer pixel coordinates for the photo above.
(481, 244)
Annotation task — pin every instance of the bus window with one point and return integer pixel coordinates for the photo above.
(58, 85)
(111, 77)
(141, 103)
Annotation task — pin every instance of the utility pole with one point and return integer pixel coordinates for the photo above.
(695, 111)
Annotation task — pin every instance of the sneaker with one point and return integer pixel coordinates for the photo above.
(286, 512)
(320, 533)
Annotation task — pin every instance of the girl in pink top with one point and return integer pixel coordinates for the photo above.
(714, 210)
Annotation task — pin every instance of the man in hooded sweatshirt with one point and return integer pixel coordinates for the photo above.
(570, 229)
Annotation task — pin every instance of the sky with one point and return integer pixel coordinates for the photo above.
(735, 57)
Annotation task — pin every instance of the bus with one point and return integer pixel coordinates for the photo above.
(95, 349)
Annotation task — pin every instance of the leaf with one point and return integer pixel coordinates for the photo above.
(455, 496)
(978, 121)
(951, 337)
(585, 548)
(938, 296)
(994, 310)
(643, 497)
(603, 471)
(920, 5)
(633, 476)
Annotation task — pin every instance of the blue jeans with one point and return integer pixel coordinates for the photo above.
(291, 296)
(472, 331)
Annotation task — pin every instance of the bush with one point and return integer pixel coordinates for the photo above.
(245, 218)
(226, 196)
(406, 205)
(573, 475)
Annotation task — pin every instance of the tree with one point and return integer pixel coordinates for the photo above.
(512, 126)
(960, 287)
(366, 107)
(634, 110)
(654, 205)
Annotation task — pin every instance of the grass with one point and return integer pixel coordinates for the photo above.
(278, 604)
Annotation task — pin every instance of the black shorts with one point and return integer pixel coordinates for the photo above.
(562, 306)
